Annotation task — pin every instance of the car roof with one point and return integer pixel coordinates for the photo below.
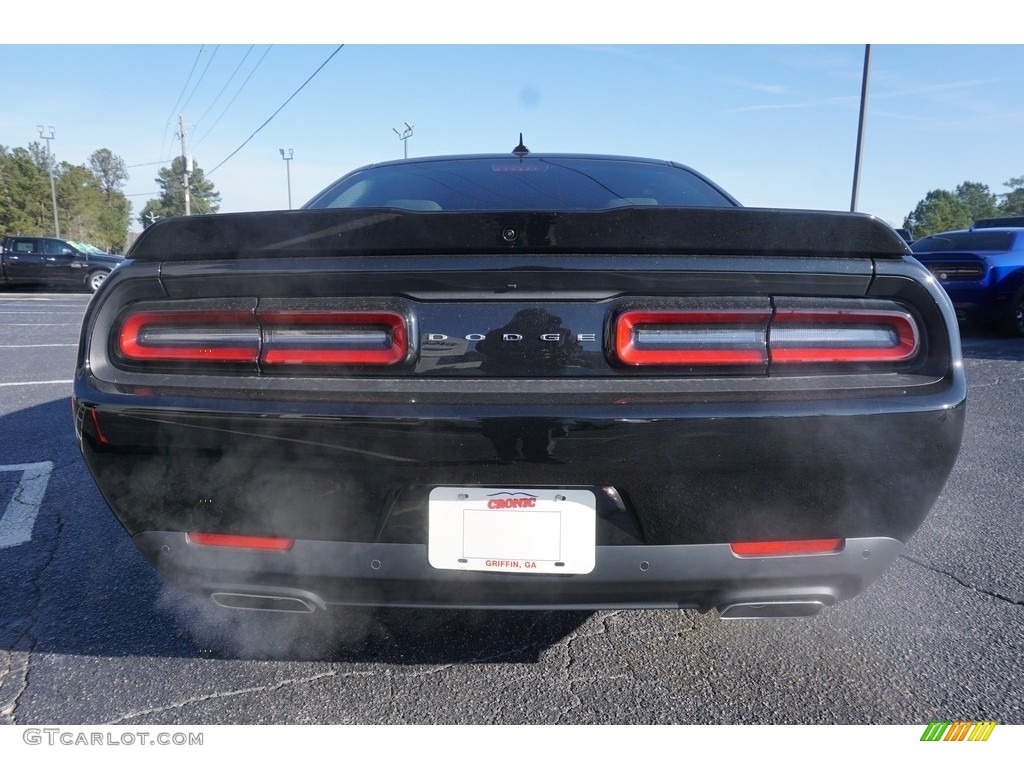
(513, 156)
(999, 222)
(993, 239)
(972, 230)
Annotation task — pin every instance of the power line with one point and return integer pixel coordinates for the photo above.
(202, 74)
(167, 122)
(187, 80)
(155, 162)
(239, 91)
(225, 86)
(265, 122)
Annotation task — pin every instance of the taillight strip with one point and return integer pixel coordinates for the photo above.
(787, 336)
(685, 337)
(209, 336)
(268, 337)
(333, 338)
(842, 336)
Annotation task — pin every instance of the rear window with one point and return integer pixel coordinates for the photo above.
(965, 241)
(499, 184)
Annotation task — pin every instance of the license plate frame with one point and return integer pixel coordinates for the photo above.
(512, 530)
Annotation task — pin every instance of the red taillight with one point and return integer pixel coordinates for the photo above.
(268, 543)
(333, 338)
(779, 548)
(685, 337)
(784, 336)
(217, 337)
(842, 336)
(266, 337)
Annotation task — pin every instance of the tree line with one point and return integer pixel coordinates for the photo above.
(92, 207)
(90, 203)
(942, 210)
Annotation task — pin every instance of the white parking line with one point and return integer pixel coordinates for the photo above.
(43, 297)
(33, 383)
(33, 346)
(20, 517)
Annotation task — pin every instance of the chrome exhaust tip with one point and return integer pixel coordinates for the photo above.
(798, 609)
(257, 602)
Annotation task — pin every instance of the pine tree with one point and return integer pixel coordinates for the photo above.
(204, 197)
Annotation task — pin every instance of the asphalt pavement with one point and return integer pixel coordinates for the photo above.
(90, 635)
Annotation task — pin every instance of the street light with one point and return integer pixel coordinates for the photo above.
(49, 164)
(404, 136)
(288, 167)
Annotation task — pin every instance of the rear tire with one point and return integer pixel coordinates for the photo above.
(95, 280)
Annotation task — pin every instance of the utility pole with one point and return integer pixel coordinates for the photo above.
(288, 167)
(860, 127)
(186, 162)
(53, 186)
(404, 136)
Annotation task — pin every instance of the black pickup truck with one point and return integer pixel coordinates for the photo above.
(52, 261)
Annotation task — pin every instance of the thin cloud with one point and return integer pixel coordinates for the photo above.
(836, 101)
(769, 88)
(907, 91)
(643, 57)
(989, 122)
(922, 90)
(820, 60)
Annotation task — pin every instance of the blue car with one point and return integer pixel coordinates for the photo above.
(982, 270)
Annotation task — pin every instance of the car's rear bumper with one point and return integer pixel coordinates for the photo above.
(313, 575)
(710, 474)
(983, 311)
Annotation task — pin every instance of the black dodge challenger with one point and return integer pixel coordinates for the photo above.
(521, 381)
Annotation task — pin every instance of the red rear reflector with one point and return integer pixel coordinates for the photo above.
(218, 337)
(842, 336)
(774, 548)
(689, 337)
(241, 542)
(334, 338)
(100, 437)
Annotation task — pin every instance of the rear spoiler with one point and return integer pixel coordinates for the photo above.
(637, 230)
(1000, 221)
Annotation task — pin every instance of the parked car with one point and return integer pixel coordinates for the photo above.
(521, 381)
(999, 221)
(52, 261)
(982, 270)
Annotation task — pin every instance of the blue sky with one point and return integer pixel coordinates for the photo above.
(774, 124)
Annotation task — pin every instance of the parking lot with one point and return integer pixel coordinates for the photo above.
(89, 634)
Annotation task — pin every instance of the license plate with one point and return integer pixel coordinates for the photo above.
(512, 530)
